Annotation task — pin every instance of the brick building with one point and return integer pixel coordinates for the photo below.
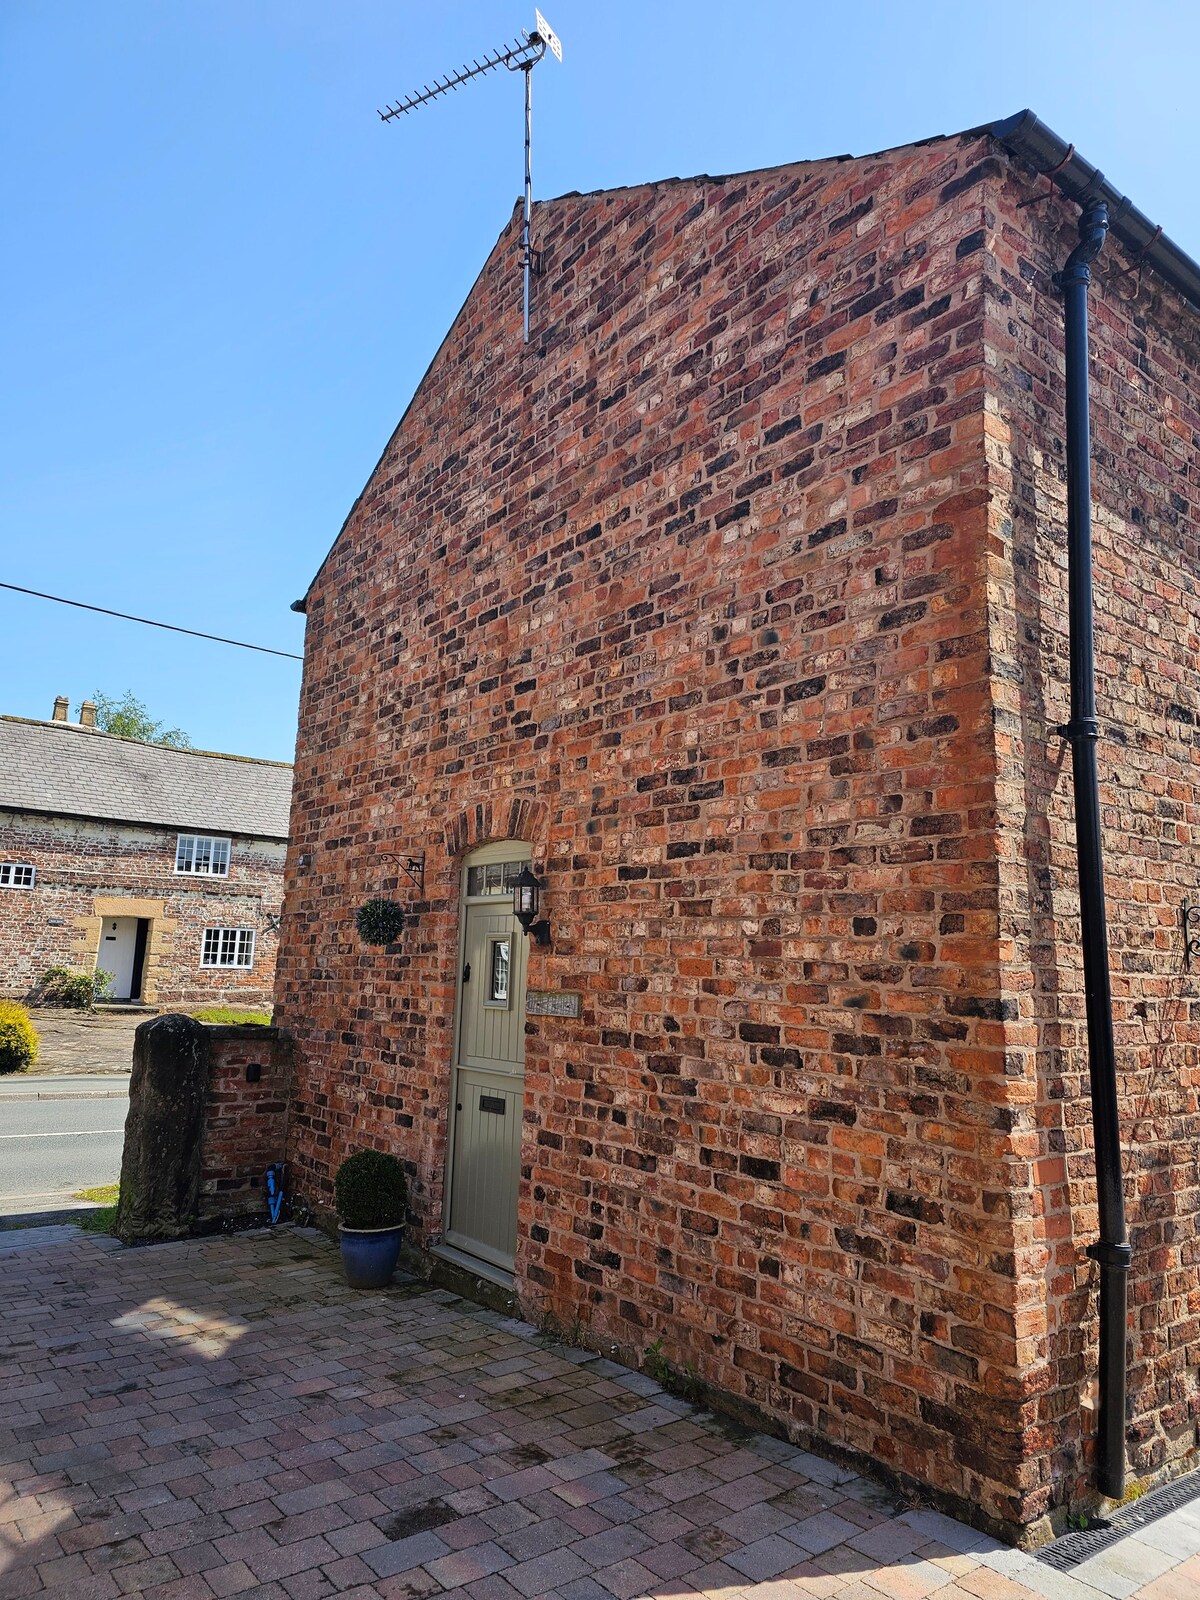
(735, 603)
(162, 867)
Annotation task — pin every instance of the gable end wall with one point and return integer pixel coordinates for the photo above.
(695, 588)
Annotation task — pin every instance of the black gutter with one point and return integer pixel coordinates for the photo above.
(1042, 148)
(1111, 1250)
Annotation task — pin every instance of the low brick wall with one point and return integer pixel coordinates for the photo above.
(245, 1119)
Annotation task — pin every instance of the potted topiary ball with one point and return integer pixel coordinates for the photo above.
(372, 1201)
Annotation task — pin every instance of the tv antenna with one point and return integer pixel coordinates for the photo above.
(520, 56)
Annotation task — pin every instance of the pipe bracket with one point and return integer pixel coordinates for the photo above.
(1110, 1255)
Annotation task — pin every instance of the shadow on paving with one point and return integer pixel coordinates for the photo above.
(224, 1417)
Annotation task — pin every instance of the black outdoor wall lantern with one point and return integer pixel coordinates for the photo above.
(526, 895)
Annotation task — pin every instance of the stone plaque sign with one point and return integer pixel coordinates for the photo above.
(553, 1003)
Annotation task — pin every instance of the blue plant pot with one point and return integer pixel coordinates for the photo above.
(369, 1255)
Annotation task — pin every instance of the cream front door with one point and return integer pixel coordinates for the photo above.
(489, 1071)
(118, 942)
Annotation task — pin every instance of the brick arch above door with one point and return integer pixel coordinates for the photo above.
(504, 817)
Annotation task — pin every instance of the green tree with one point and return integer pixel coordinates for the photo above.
(128, 718)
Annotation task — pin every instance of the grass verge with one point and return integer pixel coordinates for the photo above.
(228, 1016)
(102, 1220)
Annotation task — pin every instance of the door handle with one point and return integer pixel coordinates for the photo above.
(467, 973)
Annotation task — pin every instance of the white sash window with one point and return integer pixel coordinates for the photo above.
(202, 855)
(227, 947)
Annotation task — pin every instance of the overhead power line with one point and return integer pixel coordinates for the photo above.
(149, 622)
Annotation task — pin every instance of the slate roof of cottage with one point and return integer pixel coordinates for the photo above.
(62, 769)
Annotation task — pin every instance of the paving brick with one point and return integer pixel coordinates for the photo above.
(469, 1565)
(401, 1555)
(546, 1572)
(233, 1577)
(1180, 1583)
(285, 1559)
(549, 1533)
(615, 1544)
(757, 1521)
(765, 1558)
(627, 1542)
(822, 1531)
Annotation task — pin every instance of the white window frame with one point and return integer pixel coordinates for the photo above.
(226, 948)
(17, 875)
(188, 852)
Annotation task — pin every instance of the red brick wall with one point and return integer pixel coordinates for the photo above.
(1146, 487)
(245, 1122)
(704, 595)
(702, 572)
(78, 862)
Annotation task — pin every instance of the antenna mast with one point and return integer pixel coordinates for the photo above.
(520, 56)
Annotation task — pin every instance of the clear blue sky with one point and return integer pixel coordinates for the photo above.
(223, 276)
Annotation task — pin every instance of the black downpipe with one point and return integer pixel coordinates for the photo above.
(1111, 1250)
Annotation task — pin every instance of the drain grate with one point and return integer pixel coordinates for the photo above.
(1073, 1548)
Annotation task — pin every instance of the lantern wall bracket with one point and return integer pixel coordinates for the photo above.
(1191, 933)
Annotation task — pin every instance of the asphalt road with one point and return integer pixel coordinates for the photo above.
(57, 1136)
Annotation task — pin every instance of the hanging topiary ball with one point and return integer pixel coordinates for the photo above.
(380, 921)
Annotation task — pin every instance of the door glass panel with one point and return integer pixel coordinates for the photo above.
(498, 973)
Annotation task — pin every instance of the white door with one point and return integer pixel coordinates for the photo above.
(489, 1070)
(118, 941)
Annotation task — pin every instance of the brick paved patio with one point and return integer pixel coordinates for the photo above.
(225, 1418)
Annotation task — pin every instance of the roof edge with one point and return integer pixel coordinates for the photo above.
(774, 166)
(1026, 136)
(145, 744)
(7, 809)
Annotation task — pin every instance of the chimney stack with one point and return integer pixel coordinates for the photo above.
(87, 714)
(60, 708)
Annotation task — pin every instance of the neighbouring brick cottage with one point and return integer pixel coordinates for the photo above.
(162, 867)
(735, 604)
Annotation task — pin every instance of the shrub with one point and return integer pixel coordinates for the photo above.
(18, 1038)
(59, 986)
(102, 982)
(371, 1191)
